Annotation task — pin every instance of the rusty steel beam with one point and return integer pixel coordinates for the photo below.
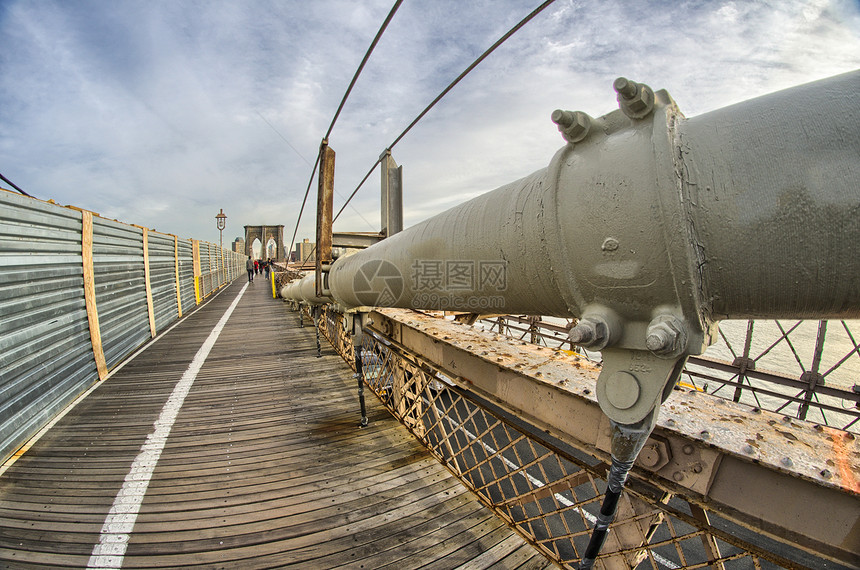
(359, 240)
(790, 479)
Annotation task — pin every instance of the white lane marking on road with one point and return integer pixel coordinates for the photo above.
(113, 541)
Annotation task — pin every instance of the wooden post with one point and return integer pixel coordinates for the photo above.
(90, 292)
(147, 282)
(325, 213)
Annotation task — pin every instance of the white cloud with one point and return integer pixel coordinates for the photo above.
(156, 113)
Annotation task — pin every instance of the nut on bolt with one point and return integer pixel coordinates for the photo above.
(590, 332)
(573, 125)
(636, 100)
(666, 336)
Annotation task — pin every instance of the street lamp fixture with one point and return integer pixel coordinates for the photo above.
(221, 219)
(221, 222)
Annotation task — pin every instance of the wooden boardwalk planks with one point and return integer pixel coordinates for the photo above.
(265, 466)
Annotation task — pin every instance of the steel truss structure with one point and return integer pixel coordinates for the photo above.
(550, 490)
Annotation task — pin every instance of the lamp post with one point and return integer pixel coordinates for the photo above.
(221, 222)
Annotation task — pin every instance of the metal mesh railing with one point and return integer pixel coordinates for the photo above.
(804, 369)
(546, 490)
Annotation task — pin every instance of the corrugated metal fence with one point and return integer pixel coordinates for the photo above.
(79, 293)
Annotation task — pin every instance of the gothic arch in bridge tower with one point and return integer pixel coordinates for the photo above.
(265, 234)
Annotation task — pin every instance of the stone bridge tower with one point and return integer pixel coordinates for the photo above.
(264, 234)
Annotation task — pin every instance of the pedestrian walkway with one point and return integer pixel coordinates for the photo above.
(248, 456)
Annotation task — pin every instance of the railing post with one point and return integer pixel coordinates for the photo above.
(812, 377)
(358, 336)
(744, 362)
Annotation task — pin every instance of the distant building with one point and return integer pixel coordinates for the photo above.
(305, 251)
(239, 245)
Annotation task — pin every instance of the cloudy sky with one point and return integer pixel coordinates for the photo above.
(160, 113)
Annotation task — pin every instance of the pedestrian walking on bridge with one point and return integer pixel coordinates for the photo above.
(249, 265)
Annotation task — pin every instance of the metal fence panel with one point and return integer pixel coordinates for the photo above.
(47, 355)
(206, 272)
(186, 275)
(162, 277)
(45, 351)
(120, 288)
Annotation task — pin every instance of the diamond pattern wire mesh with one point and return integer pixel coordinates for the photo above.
(549, 495)
(804, 369)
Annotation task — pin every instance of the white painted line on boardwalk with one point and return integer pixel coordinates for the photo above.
(110, 550)
(32, 441)
(537, 482)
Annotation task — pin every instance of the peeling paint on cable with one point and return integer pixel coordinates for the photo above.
(113, 541)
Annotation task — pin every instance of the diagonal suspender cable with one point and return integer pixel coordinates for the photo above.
(12, 184)
(465, 72)
(340, 108)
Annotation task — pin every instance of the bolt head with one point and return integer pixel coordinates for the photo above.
(590, 332)
(562, 118)
(573, 125)
(582, 334)
(649, 456)
(636, 100)
(625, 87)
(666, 336)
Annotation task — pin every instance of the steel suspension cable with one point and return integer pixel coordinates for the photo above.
(465, 72)
(12, 184)
(358, 71)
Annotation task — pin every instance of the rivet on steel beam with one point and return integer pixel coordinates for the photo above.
(706, 434)
(678, 476)
(636, 100)
(573, 125)
(609, 244)
(825, 473)
(749, 449)
(688, 449)
(787, 462)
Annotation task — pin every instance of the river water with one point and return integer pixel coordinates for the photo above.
(786, 348)
(791, 356)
